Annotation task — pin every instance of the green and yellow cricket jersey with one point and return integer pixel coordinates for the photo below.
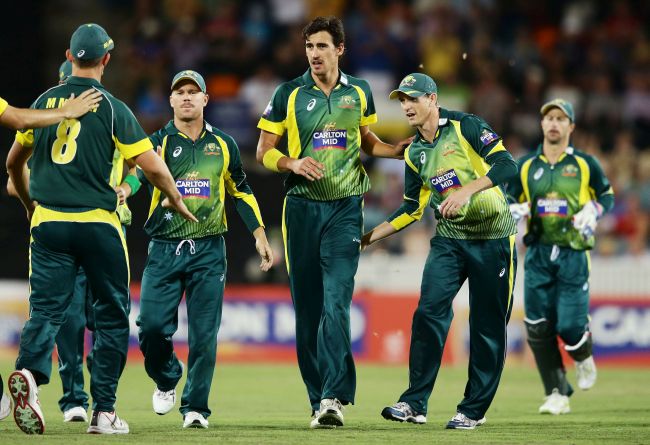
(556, 192)
(3, 105)
(203, 170)
(325, 128)
(72, 161)
(463, 150)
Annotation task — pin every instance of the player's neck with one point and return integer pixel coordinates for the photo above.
(552, 151)
(192, 129)
(429, 128)
(327, 81)
(90, 73)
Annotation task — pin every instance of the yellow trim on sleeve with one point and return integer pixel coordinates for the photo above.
(405, 219)
(365, 120)
(25, 138)
(3, 105)
(523, 175)
(155, 195)
(408, 161)
(368, 120)
(585, 175)
(271, 127)
(295, 147)
(497, 148)
(131, 150)
(248, 198)
(43, 215)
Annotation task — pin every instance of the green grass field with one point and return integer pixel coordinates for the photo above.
(267, 404)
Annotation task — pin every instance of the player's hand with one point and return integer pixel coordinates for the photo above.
(307, 167)
(123, 191)
(263, 249)
(365, 240)
(452, 204)
(159, 150)
(78, 106)
(179, 206)
(401, 146)
(520, 210)
(586, 219)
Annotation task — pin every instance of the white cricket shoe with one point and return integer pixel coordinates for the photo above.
(5, 405)
(461, 422)
(163, 401)
(76, 414)
(104, 422)
(314, 422)
(27, 408)
(194, 420)
(402, 411)
(555, 404)
(330, 413)
(586, 373)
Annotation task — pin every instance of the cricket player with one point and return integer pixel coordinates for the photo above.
(326, 114)
(75, 224)
(563, 192)
(457, 164)
(18, 118)
(191, 258)
(70, 340)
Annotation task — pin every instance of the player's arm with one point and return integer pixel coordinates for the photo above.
(274, 160)
(518, 202)
(246, 204)
(489, 146)
(416, 198)
(373, 146)
(129, 186)
(17, 118)
(599, 186)
(18, 182)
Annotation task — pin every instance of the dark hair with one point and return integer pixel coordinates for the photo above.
(331, 24)
(92, 63)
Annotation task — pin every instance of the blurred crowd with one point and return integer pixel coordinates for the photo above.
(498, 59)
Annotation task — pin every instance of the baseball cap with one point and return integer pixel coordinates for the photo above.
(189, 75)
(562, 104)
(65, 70)
(90, 41)
(415, 85)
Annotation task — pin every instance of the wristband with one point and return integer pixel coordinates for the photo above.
(133, 182)
(271, 158)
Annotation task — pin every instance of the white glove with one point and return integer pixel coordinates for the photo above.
(586, 219)
(520, 211)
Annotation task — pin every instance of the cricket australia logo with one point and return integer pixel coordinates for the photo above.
(330, 138)
(193, 187)
(347, 102)
(408, 81)
(212, 149)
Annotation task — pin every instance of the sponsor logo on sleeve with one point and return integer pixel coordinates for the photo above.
(330, 137)
(445, 181)
(552, 205)
(487, 137)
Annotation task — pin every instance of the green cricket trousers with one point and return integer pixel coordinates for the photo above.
(198, 268)
(322, 243)
(61, 242)
(490, 267)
